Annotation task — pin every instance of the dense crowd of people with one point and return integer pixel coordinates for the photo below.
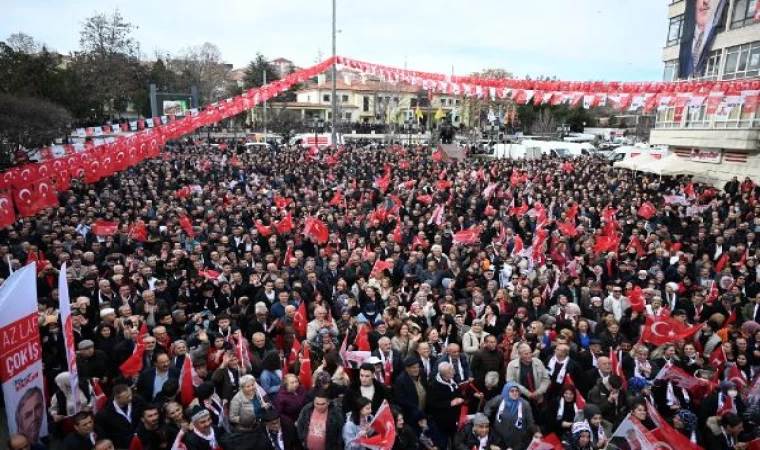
(530, 321)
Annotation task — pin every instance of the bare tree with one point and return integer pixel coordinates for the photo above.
(23, 43)
(108, 60)
(203, 66)
(544, 124)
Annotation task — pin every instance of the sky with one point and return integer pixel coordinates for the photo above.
(618, 40)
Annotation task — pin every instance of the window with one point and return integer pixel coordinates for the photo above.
(713, 65)
(365, 103)
(457, 101)
(348, 116)
(413, 102)
(344, 98)
(743, 13)
(671, 71)
(326, 98)
(742, 61)
(675, 29)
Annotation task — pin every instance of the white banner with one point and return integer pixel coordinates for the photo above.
(68, 337)
(21, 355)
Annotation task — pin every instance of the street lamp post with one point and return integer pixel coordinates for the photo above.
(408, 126)
(334, 79)
(319, 124)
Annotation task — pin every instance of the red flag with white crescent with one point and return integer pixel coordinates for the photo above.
(384, 427)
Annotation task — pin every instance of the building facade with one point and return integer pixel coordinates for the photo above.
(367, 100)
(731, 132)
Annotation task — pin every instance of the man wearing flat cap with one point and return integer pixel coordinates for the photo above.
(410, 389)
(477, 434)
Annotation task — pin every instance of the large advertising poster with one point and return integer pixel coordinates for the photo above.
(701, 19)
(21, 355)
(176, 107)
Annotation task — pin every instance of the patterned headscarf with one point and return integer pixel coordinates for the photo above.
(689, 420)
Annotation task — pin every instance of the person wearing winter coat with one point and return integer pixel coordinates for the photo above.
(580, 439)
(478, 434)
(292, 397)
(320, 424)
(512, 417)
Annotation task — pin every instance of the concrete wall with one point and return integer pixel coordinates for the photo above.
(729, 139)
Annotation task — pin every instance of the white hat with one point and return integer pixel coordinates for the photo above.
(106, 311)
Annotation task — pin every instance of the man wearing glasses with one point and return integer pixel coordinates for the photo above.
(616, 304)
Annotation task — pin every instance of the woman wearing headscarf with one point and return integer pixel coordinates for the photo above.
(512, 417)
(562, 411)
(600, 428)
(580, 437)
(685, 422)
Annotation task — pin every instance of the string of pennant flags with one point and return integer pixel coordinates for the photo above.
(32, 187)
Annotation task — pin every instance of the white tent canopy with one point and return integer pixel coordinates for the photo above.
(673, 165)
(637, 163)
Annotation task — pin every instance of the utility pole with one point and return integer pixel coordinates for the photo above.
(334, 81)
(265, 107)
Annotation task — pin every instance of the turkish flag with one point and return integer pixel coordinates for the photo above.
(104, 228)
(666, 329)
(606, 244)
(300, 321)
(425, 199)
(92, 171)
(139, 232)
(490, 210)
(567, 229)
(379, 267)
(689, 190)
(384, 427)
(697, 387)
(281, 202)
(664, 433)
(636, 299)
(264, 230)
(718, 358)
(548, 442)
(62, 180)
(337, 199)
(101, 400)
(735, 374)
(25, 200)
(7, 214)
(133, 365)
(285, 225)
(186, 225)
(362, 339)
(468, 237)
(617, 367)
(316, 229)
(187, 379)
(636, 244)
(438, 155)
(46, 195)
(304, 372)
(646, 210)
(397, 234)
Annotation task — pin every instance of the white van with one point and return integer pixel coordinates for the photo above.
(630, 151)
(515, 151)
(550, 148)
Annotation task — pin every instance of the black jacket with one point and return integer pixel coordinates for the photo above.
(148, 377)
(114, 426)
(405, 394)
(466, 439)
(354, 393)
(334, 435)
(75, 441)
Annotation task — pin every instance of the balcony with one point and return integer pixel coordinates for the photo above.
(730, 134)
